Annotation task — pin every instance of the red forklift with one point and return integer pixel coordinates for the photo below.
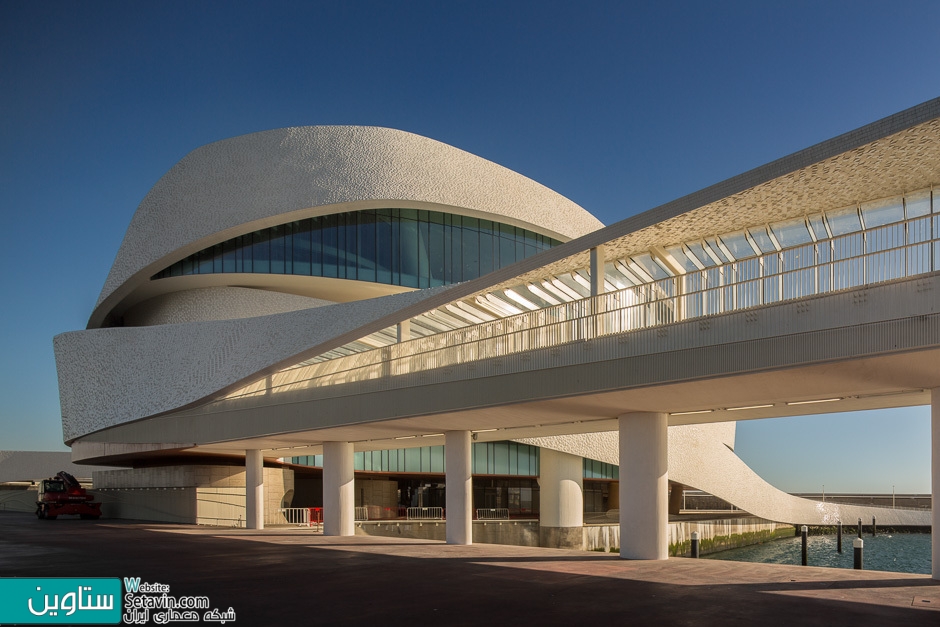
(63, 494)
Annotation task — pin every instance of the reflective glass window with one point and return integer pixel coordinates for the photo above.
(277, 243)
(818, 225)
(410, 247)
(917, 204)
(699, 251)
(762, 239)
(880, 212)
(712, 245)
(843, 221)
(737, 245)
(791, 233)
(681, 258)
(652, 268)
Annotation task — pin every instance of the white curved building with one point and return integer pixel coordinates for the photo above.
(357, 292)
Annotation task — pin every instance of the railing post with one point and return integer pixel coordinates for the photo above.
(839, 537)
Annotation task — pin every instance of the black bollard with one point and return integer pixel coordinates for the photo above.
(858, 544)
(874, 528)
(859, 528)
(839, 537)
(803, 530)
(695, 544)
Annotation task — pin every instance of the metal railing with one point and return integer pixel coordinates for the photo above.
(299, 516)
(425, 513)
(894, 251)
(493, 513)
(362, 513)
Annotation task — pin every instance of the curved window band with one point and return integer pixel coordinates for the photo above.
(407, 247)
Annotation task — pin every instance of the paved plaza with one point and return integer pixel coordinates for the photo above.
(295, 576)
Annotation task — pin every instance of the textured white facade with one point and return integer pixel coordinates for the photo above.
(242, 184)
(199, 373)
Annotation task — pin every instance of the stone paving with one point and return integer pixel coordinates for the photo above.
(295, 576)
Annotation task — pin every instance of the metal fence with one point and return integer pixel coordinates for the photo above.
(425, 513)
(885, 253)
(362, 513)
(299, 516)
(492, 513)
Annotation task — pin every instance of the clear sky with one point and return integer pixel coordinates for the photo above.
(619, 107)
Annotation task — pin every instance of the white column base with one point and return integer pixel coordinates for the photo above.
(644, 486)
(254, 489)
(561, 500)
(339, 489)
(459, 487)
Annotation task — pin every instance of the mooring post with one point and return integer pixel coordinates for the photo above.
(803, 531)
(858, 544)
(859, 529)
(695, 544)
(839, 537)
(874, 528)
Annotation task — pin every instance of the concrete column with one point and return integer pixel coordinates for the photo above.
(339, 489)
(254, 489)
(935, 481)
(403, 331)
(561, 500)
(613, 499)
(597, 270)
(458, 482)
(675, 498)
(644, 485)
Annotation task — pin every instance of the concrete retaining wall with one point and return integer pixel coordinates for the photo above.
(714, 535)
(516, 532)
(203, 495)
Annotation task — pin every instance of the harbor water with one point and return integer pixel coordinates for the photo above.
(894, 552)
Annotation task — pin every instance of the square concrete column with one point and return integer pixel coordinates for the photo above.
(644, 486)
(254, 489)
(339, 489)
(561, 500)
(935, 481)
(458, 482)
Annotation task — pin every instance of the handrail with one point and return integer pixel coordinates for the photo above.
(743, 284)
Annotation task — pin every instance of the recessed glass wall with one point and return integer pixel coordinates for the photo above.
(407, 247)
(594, 469)
(489, 458)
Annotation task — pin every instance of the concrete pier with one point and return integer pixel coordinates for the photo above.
(339, 505)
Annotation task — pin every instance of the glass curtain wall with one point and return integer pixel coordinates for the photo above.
(407, 247)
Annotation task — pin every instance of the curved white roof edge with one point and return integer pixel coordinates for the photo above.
(249, 182)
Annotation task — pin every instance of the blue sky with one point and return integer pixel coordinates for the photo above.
(618, 107)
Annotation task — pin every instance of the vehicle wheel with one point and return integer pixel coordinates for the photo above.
(48, 517)
(88, 517)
